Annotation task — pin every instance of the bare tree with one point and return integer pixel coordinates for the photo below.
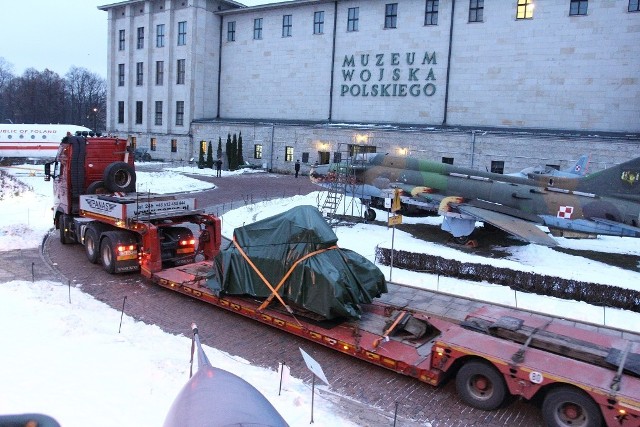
(6, 75)
(88, 97)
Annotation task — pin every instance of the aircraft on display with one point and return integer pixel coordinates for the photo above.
(215, 397)
(34, 140)
(577, 170)
(605, 202)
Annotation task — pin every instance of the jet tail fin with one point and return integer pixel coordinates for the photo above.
(580, 168)
(621, 180)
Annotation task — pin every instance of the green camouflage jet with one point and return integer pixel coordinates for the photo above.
(606, 202)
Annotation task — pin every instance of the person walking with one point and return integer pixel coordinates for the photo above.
(297, 167)
(218, 168)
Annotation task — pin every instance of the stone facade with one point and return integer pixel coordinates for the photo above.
(533, 91)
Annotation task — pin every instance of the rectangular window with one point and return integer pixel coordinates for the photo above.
(447, 160)
(158, 115)
(133, 142)
(140, 44)
(288, 153)
(497, 166)
(324, 157)
(120, 74)
(121, 40)
(431, 12)
(153, 144)
(160, 35)
(305, 157)
(120, 111)
(257, 29)
(174, 145)
(318, 22)
(391, 15)
(159, 73)
(231, 31)
(138, 112)
(182, 33)
(286, 25)
(578, 7)
(525, 9)
(352, 19)
(634, 6)
(179, 113)
(139, 73)
(476, 10)
(257, 151)
(181, 71)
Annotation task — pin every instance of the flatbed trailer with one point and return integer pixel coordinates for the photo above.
(488, 366)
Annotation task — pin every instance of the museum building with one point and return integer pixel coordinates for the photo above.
(496, 85)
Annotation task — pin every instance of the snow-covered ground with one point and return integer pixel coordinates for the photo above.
(60, 348)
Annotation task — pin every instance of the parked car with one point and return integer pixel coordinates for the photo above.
(142, 155)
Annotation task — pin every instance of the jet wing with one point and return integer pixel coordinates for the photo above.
(524, 230)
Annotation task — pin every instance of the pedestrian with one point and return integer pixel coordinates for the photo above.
(218, 168)
(297, 167)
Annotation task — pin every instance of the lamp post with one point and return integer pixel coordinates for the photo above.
(95, 119)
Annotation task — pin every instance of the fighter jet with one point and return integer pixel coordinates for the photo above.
(214, 397)
(605, 202)
(576, 171)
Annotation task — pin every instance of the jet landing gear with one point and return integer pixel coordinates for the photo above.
(369, 214)
(466, 241)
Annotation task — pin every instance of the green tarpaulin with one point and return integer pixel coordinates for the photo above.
(331, 283)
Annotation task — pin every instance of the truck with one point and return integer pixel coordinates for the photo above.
(582, 376)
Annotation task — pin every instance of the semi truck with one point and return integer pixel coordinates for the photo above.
(583, 377)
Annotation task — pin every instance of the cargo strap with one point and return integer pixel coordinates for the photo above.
(389, 330)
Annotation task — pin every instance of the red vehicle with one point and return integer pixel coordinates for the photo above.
(582, 377)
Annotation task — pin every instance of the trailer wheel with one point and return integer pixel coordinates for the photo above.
(480, 385)
(91, 245)
(97, 187)
(107, 255)
(370, 214)
(120, 177)
(63, 223)
(570, 407)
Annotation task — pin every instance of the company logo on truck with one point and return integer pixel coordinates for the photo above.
(100, 205)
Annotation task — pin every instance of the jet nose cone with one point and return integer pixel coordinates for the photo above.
(318, 173)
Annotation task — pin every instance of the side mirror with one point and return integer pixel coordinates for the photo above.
(47, 171)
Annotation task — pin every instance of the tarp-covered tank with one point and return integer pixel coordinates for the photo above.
(299, 248)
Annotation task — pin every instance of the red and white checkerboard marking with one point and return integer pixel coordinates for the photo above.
(565, 212)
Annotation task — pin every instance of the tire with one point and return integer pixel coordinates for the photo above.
(146, 157)
(480, 385)
(370, 214)
(120, 177)
(570, 407)
(97, 187)
(92, 244)
(108, 255)
(63, 224)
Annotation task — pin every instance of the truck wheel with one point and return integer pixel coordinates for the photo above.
(370, 214)
(91, 245)
(97, 187)
(63, 224)
(570, 407)
(480, 385)
(107, 255)
(120, 177)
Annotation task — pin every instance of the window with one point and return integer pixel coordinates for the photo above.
(257, 151)
(324, 157)
(305, 157)
(182, 33)
(120, 74)
(447, 160)
(634, 6)
(179, 113)
(352, 19)
(578, 7)
(138, 112)
(159, 73)
(174, 145)
(160, 35)
(139, 74)
(257, 29)
(391, 15)
(121, 40)
(180, 71)
(133, 142)
(153, 144)
(140, 44)
(231, 31)
(286, 25)
(120, 111)
(318, 22)
(158, 115)
(476, 9)
(525, 9)
(288, 153)
(431, 13)
(497, 166)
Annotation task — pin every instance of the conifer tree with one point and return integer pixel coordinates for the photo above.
(234, 150)
(219, 152)
(240, 156)
(201, 156)
(209, 156)
(228, 149)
